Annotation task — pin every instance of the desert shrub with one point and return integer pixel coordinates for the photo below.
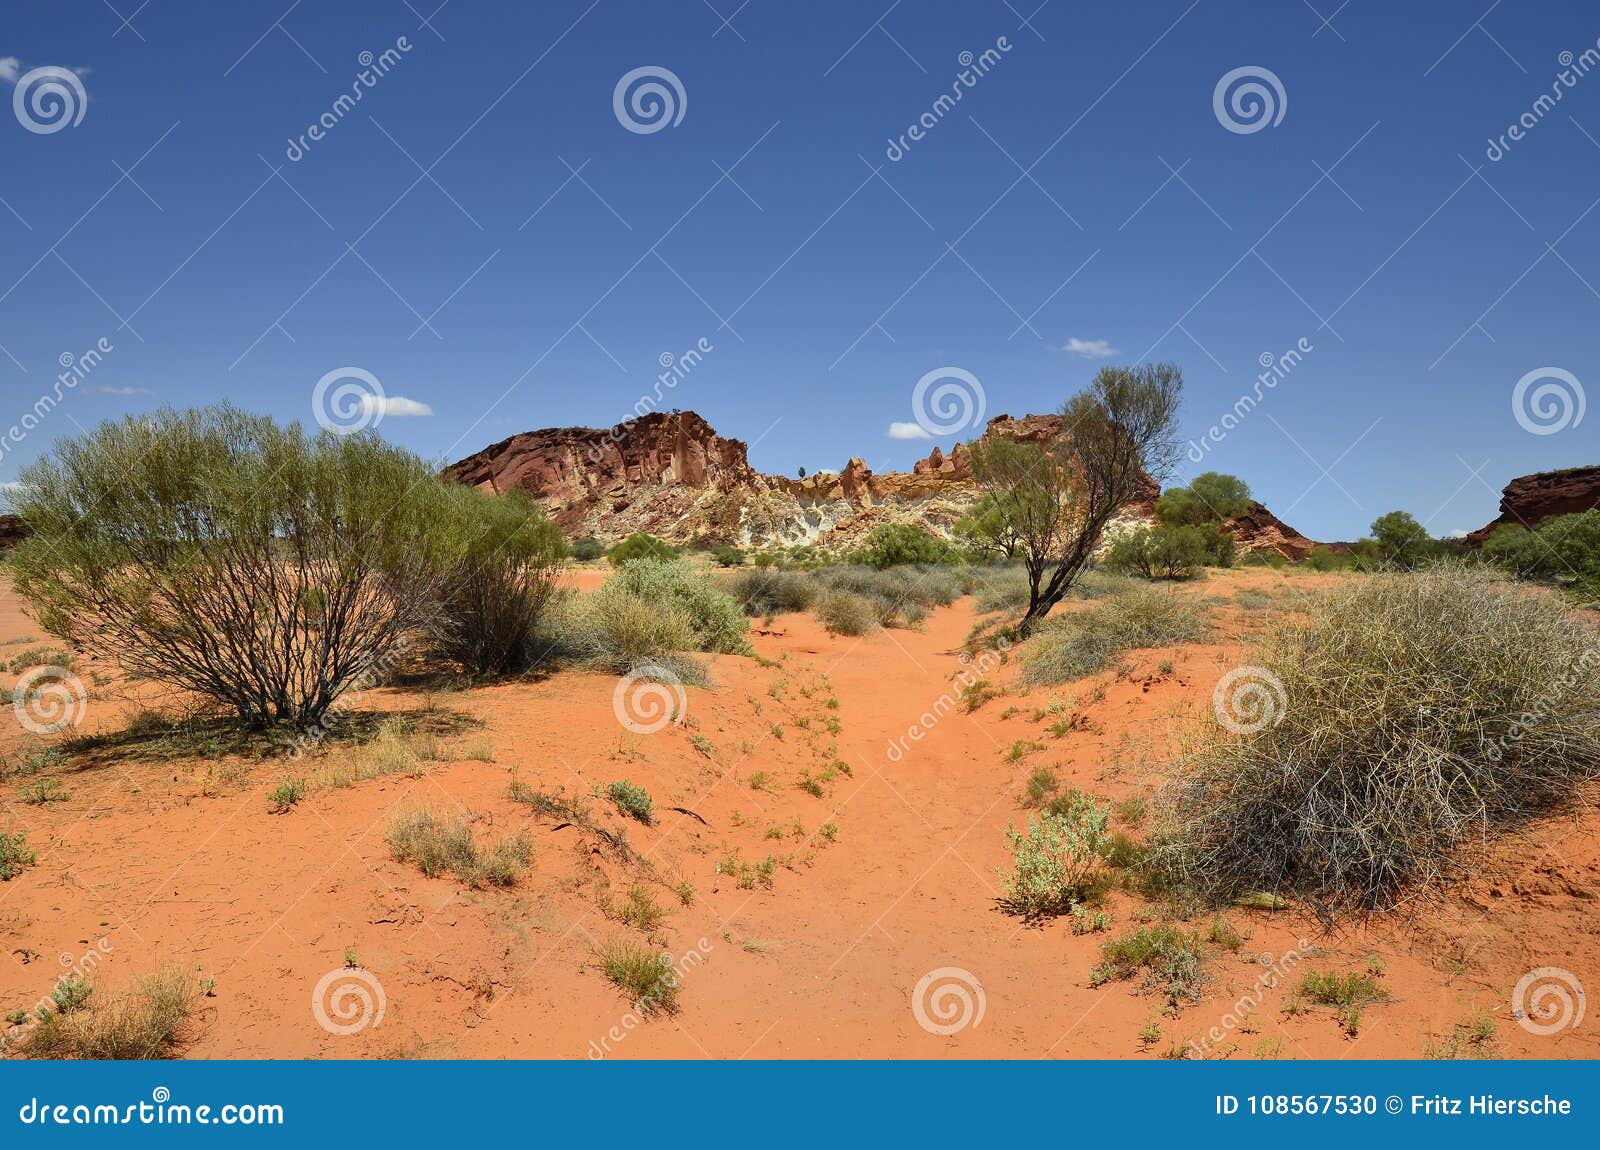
(715, 619)
(1411, 716)
(586, 548)
(1402, 542)
(633, 801)
(1321, 558)
(1325, 988)
(897, 544)
(445, 846)
(216, 552)
(1210, 498)
(1565, 548)
(770, 591)
(1053, 862)
(847, 613)
(727, 555)
(1089, 640)
(640, 545)
(620, 631)
(1166, 959)
(1005, 589)
(1516, 549)
(501, 583)
(14, 854)
(647, 976)
(1160, 552)
(146, 1021)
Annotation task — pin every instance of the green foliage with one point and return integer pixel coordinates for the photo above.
(14, 854)
(769, 591)
(1164, 551)
(897, 544)
(499, 587)
(1412, 716)
(586, 548)
(1210, 498)
(1089, 640)
(1402, 541)
(727, 555)
(715, 619)
(216, 552)
(986, 531)
(640, 545)
(646, 976)
(1564, 548)
(1055, 860)
(144, 1022)
(1168, 959)
(1326, 988)
(1321, 558)
(286, 794)
(633, 801)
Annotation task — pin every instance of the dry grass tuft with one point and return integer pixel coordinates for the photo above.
(146, 1021)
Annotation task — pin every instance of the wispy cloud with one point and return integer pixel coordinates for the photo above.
(11, 70)
(908, 431)
(1090, 348)
(393, 405)
(125, 391)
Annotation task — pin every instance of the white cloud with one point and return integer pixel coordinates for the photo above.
(908, 431)
(10, 69)
(1090, 348)
(125, 391)
(395, 405)
(1458, 533)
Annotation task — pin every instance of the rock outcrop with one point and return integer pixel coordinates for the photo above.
(672, 475)
(1529, 499)
(12, 531)
(1260, 530)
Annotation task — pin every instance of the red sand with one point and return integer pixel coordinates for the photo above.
(181, 862)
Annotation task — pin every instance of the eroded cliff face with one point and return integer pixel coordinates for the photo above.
(1529, 499)
(672, 475)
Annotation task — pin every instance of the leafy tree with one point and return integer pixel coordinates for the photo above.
(214, 551)
(987, 531)
(640, 545)
(1057, 500)
(895, 544)
(727, 555)
(587, 547)
(1321, 558)
(1160, 552)
(1209, 498)
(1402, 541)
(802, 473)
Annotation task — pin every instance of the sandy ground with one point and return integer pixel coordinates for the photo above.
(150, 860)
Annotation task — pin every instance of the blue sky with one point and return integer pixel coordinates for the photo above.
(484, 236)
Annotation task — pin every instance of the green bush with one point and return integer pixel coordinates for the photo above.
(1088, 640)
(505, 578)
(1565, 548)
(633, 801)
(716, 620)
(225, 555)
(769, 591)
(1402, 542)
(1160, 552)
(1321, 558)
(14, 854)
(727, 555)
(647, 976)
(640, 545)
(1168, 959)
(1411, 717)
(1210, 498)
(847, 613)
(1055, 860)
(897, 544)
(586, 548)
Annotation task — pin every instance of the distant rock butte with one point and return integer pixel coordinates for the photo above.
(672, 475)
(1529, 499)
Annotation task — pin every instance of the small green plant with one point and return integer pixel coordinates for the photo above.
(41, 792)
(1167, 959)
(1055, 860)
(71, 992)
(633, 801)
(1041, 783)
(646, 976)
(1467, 1040)
(1329, 989)
(686, 892)
(639, 909)
(1150, 1032)
(702, 744)
(1224, 934)
(286, 794)
(351, 962)
(829, 831)
(14, 854)
(1020, 750)
(748, 875)
(438, 846)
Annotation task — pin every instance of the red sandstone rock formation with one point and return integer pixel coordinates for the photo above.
(1260, 530)
(12, 531)
(1531, 498)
